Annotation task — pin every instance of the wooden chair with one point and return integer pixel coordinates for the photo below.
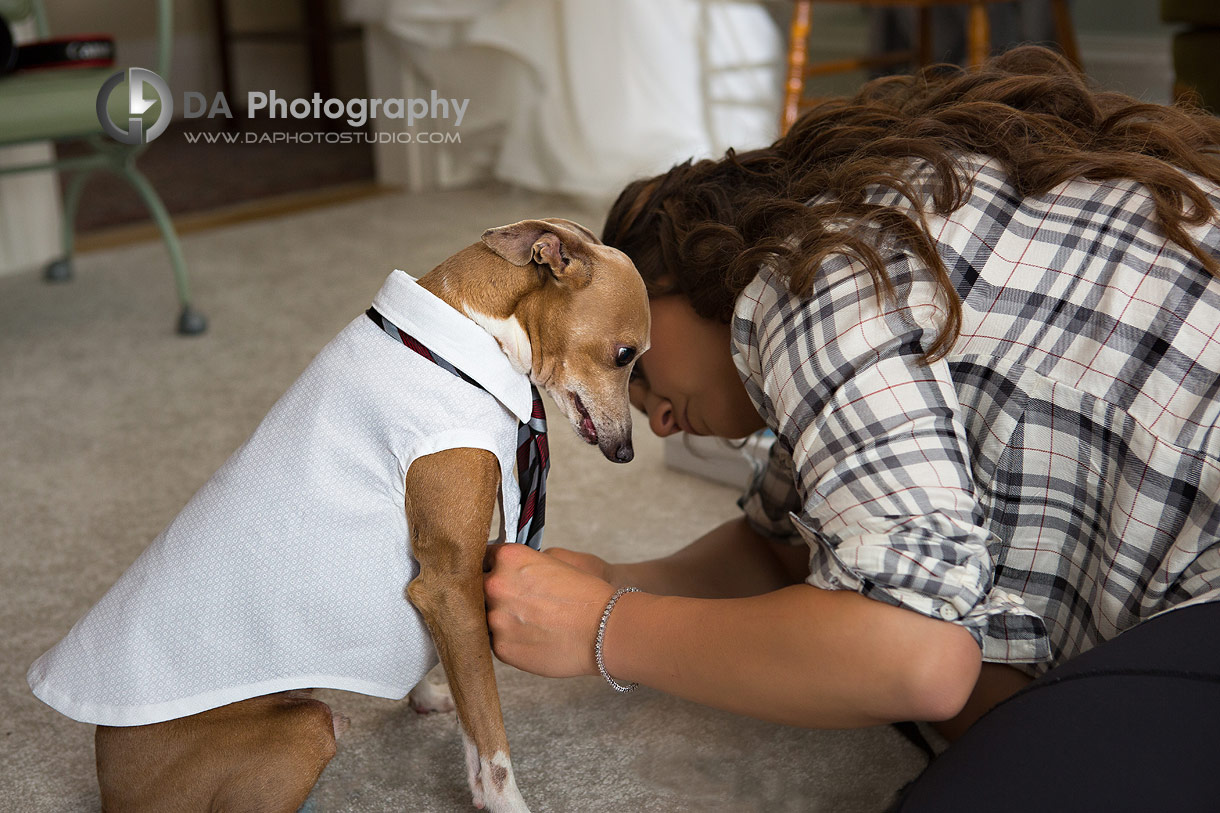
(978, 44)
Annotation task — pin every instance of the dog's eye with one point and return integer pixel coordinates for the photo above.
(624, 356)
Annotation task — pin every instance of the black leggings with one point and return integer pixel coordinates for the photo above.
(1132, 724)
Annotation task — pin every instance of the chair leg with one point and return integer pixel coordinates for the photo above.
(60, 270)
(190, 321)
(1066, 33)
(979, 36)
(798, 45)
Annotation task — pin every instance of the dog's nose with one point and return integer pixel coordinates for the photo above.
(624, 453)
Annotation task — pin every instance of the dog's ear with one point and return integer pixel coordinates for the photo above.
(553, 244)
(589, 236)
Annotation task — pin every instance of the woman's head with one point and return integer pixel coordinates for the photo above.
(687, 381)
(702, 230)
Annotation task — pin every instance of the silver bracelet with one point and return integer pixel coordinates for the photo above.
(601, 634)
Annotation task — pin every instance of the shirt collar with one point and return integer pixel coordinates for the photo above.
(456, 338)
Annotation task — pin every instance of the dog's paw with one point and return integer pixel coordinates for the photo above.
(432, 693)
(429, 697)
(492, 784)
(341, 724)
(499, 786)
(472, 771)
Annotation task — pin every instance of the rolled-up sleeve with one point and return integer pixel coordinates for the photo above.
(879, 461)
(771, 498)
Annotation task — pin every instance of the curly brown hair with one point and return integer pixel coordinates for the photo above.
(704, 228)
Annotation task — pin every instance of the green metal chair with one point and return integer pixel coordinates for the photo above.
(52, 105)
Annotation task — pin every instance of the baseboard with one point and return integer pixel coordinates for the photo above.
(259, 209)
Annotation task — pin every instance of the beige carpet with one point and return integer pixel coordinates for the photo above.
(109, 422)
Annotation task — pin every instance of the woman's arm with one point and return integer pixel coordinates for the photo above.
(730, 561)
(797, 655)
(801, 656)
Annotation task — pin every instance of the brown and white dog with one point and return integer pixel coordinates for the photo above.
(572, 314)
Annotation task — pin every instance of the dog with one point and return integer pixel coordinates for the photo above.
(197, 673)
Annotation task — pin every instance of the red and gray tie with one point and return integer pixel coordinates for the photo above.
(533, 455)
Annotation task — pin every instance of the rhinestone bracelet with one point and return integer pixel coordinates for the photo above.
(601, 634)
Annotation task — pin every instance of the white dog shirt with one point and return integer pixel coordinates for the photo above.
(288, 569)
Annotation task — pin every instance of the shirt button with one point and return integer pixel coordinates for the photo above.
(947, 612)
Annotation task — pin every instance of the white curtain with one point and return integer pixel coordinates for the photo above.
(580, 96)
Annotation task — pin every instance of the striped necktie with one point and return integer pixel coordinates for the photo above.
(533, 455)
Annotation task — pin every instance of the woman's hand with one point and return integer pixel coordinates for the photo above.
(588, 562)
(542, 611)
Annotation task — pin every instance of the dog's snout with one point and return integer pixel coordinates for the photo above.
(624, 453)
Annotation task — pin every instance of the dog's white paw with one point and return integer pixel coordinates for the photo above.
(500, 786)
(472, 770)
(493, 787)
(432, 693)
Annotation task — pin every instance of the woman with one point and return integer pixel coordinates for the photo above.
(981, 312)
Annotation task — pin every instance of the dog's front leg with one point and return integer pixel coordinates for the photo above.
(450, 496)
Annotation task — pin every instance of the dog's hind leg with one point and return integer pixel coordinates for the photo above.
(450, 497)
(261, 755)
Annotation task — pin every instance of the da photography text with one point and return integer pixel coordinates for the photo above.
(356, 112)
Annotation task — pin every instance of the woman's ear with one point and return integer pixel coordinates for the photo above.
(551, 245)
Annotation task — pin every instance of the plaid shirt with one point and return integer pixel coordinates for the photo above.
(1050, 483)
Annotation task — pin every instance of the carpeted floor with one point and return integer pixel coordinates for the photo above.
(109, 422)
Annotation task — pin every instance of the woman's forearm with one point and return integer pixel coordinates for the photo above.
(730, 561)
(800, 655)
